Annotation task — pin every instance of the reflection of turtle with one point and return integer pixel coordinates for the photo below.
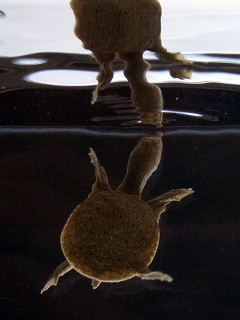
(113, 28)
(113, 235)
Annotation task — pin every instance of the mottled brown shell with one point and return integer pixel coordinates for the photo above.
(117, 26)
(111, 236)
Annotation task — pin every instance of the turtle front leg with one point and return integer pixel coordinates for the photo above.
(60, 271)
(158, 205)
(106, 73)
(164, 55)
(154, 275)
(101, 183)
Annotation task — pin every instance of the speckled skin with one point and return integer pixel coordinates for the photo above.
(110, 237)
(113, 235)
(113, 28)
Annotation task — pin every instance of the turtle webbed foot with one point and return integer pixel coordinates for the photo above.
(181, 73)
(175, 195)
(60, 271)
(154, 275)
(175, 57)
(158, 205)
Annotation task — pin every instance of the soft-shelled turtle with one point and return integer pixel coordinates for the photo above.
(113, 236)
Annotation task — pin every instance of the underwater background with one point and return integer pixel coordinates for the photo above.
(48, 124)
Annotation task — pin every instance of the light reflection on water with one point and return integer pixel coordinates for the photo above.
(28, 61)
(88, 78)
(64, 77)
(212, 91)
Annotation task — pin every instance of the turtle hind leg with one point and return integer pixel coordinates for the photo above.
(106, 73)
(101, 183)
(158, 205)
(60, 271)
(154, 275)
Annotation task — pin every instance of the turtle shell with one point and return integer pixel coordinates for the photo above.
(117, 26)
(111, 236)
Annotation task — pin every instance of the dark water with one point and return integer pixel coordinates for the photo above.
(45, 135)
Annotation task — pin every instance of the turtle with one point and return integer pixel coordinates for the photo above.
(111, 29)
(113, 235)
